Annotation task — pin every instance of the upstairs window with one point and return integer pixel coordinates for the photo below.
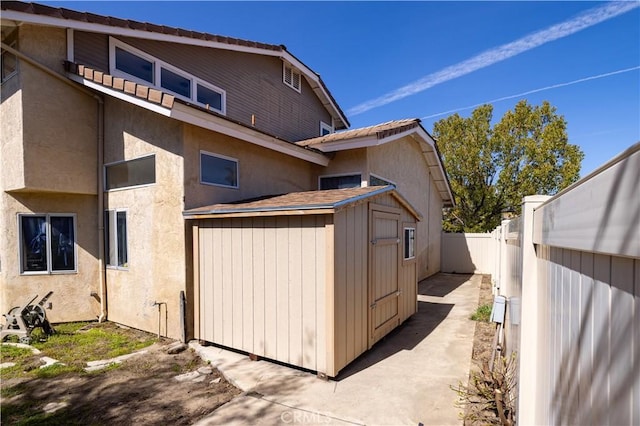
(125, 174)
(325, 129)
(291, 76)
(133, 64)
(218, 170)
(340, 182)
(47, 243)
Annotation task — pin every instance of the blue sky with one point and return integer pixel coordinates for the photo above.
(393, 60)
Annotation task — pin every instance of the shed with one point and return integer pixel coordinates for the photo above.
(312, 279)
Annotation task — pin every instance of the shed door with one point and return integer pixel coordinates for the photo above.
(384, 263)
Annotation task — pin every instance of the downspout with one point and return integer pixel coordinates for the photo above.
(100, 137)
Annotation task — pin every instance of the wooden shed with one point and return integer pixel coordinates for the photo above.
(312, 279)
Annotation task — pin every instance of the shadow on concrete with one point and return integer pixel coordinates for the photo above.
(441, 284)
(403, 338)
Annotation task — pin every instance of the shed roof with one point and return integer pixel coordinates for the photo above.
(298, 203)
(84, 21)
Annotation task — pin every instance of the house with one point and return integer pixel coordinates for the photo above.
(111, 129)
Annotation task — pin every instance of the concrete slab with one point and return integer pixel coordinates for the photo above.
(404, 379)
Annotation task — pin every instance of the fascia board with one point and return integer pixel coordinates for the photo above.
(201, 119)
(121, 95)
(428, 140)
(362, 142)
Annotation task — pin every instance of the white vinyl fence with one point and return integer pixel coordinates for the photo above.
(570, 270)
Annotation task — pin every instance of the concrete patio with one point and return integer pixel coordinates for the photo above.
(404, 379)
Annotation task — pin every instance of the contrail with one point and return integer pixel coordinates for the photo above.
(554, 86)
(584, 20)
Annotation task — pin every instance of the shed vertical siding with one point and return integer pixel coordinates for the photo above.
(262, 286)
(351, 285)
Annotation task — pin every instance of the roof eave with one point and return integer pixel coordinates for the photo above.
(187, 114)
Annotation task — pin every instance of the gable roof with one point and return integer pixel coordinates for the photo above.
(383, 133)
(298, 203)
(66, 18)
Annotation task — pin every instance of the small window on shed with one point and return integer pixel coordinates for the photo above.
(409, 243)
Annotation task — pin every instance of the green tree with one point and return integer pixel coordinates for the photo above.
(491, 168)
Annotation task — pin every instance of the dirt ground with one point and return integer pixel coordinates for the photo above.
(485, 331)
(142, 391)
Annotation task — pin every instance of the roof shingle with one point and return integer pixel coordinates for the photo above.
(380, 131)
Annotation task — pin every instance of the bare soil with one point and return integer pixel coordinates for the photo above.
(142, 391)
(485, 331)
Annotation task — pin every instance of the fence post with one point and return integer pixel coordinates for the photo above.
(528, 405)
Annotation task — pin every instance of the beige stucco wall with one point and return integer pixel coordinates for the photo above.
(261, 171)
(403, 163)
(155, 228)
(59, 123)
(11, 149)
(344, 162)
(71, 299)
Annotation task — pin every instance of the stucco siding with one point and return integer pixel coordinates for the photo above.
(343, 163)
(11, 136)
(261, 171)
(403, 163)
(72, 298)
(59, 123)
(253, 83)
(155, 228)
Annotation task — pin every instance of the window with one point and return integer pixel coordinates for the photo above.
(209, 98)
(130, 63)
(9, 60)
(47, 243)
(409, 243)
(124, 174)
(291, 77)
(218, 170)
(115, 239)
(378, 181)
(175, 82)
(325, 129)
(340, 182)
(134, 65)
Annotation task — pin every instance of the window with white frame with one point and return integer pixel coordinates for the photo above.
(218, 170)
(409, 243)
(130, 173)
(9, 63)
(325, 129)
(115, 239)
(133, 64)
(291, 76)
(47, 243)
(340, 181)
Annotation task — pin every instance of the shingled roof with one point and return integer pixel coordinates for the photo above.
(315, 202)
(380, 131)
(73, 15)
